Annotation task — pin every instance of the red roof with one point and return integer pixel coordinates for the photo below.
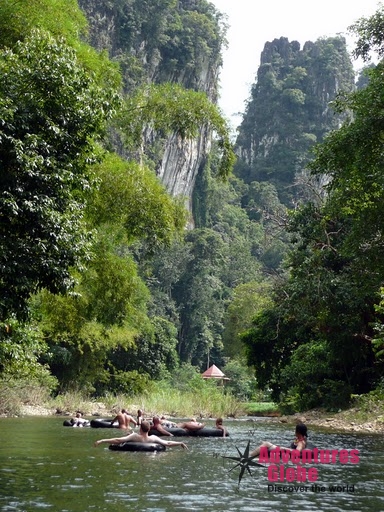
(213, 372)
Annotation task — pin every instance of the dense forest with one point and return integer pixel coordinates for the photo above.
(135, 245)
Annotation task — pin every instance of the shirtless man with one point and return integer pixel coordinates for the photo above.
(156, 425)
(141, 437)
(192, 425)
(220, 426)
(124, 419)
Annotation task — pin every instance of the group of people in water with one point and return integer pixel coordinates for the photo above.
(159, 424)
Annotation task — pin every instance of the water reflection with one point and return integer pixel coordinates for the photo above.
(46, 466)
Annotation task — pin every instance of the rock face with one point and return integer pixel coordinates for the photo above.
(289, 109)
(181, 163)
(163, 41)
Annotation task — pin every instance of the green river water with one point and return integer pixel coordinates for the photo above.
(45, 466)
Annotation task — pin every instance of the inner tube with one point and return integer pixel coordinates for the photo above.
(103, 423)
(178, 432)
(137, 447)
(69, 423)
(207, 432)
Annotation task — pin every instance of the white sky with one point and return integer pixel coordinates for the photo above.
(254, 22)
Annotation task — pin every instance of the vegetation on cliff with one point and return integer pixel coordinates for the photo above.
(102, 288)
(321, 340)
(77, 219)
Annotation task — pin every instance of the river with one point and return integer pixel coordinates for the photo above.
(45, 466)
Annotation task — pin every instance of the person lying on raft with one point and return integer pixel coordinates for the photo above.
(124, 419)
(192, 425)
(220, 426)
(299, 443)
(167, 423)
(156, 425)
(141, 437)
(79, 421)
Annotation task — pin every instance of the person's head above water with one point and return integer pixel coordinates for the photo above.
(145, 426)
(301, 429)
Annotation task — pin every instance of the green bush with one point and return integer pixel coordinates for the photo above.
(242, 383)
(307, 381)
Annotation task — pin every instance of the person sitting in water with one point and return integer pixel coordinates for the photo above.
(299, 443)
(157, 425)
(124, 419)
(141, 437)
(79, 421)
(220, 426)
(140, 417)
(191, 425)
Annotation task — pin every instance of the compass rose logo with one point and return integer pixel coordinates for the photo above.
(244, 462)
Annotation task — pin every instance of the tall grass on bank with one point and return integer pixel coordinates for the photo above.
(206, 401)
(14, 394)
(176, 403)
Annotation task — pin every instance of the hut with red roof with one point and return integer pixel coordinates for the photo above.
(214, 372)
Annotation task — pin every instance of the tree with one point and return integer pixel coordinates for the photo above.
(131, 199)
(62, 18)
(200, 295)
(370, 35)
(328, 308)
(248, 300)
(169, 108)
(154, 353)
(51, 114)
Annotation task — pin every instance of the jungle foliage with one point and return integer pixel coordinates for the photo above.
(101, 286)
(290, 110)
(321, 339)
(77, 219)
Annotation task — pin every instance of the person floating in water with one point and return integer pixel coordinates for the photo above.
(141, 437)
(191, 425)
(140, 417)
(300, 442)
(167, 423)
(79, 421)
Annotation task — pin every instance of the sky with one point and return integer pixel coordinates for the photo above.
(254, 22)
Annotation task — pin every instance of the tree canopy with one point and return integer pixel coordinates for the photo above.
(51, 116)
(325, 313)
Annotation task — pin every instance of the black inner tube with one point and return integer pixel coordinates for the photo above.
(179, 432)
(137, 447)
(103, 423)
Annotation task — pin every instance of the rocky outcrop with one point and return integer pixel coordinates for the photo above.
(156, 43)
(290, 109)
(180, 164)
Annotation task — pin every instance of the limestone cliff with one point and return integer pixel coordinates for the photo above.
(163, 41)
(290, 109)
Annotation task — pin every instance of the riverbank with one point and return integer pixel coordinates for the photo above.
(350, 420)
